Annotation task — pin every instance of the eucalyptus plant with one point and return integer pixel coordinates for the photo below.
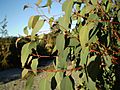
(92, 46)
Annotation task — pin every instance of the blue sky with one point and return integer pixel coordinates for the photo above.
(18, 18)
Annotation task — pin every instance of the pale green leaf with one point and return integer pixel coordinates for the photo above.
(26, 30)
(87, 9)
(84, 34)
(66, 84)
(34, 65)
(24, 72)
(44, 84)
(37, 27)
(108, 7)
(118, 15)
(91, 84)
(83, 55)
(30, 22)
(65, 20)
(32, 45)
(92, 58)
(24, 53)
(74, 42)
(60, 43)
(94, 2)
(29, 82)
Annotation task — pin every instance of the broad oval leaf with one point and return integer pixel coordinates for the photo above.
(37, 27)
(24, 53)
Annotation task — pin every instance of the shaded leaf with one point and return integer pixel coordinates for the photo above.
(53, 83)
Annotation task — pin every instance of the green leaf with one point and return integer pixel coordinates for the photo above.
(118, 15)
(24, 53)
(37, 27)
(91, 85)
(74, 42)
(29, 82)
(26, 30)
(84, 34)
(34, 65)
(60, 43)
(87, 9)
(59, 77)
(38, 2)
(65, 20)
(44, 84)
(108, 7)
(32, 21)
(32, 45)
(24, 72)
(83, 55)
(94, 2)
(66, 84)
(92, 58)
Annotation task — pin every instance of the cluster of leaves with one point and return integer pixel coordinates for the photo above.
(93, 44)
